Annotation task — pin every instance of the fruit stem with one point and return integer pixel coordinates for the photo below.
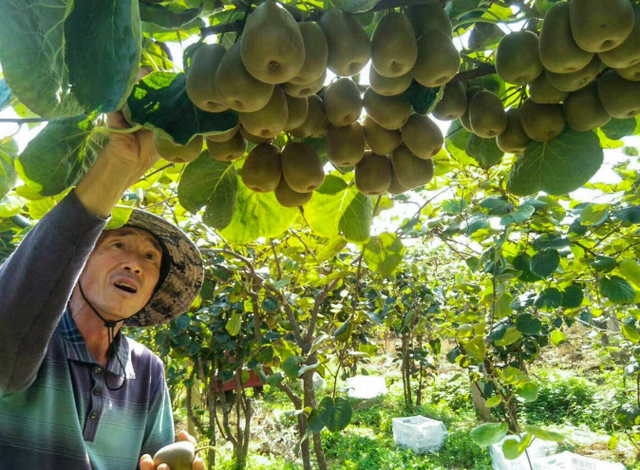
(114, 130)
(198, 449)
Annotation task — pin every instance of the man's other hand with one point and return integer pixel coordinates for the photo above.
(146, 461)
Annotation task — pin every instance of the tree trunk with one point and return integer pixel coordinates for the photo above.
(480, 402)
(310, 401)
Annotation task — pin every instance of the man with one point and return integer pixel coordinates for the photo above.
(75, 394)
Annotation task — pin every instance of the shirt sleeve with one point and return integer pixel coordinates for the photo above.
(36, 282)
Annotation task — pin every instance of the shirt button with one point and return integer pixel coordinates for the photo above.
(97, 370)
(97, 391)
(94, 415)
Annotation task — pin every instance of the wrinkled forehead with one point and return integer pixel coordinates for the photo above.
(127, 231)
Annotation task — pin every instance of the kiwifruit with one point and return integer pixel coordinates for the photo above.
(575, 80)
(558, 50)
(422, 137)
(619, 97)
(316, 53)
(395, 187)
(200, 87)
(514, 139)
(349, 45)
(627, 53)
(373, 174)
(543, 92)
(517, 59)
(389, 86)
(393, 46)
(342, 102)
(315, 117)
(237, 87)
(269, 121)
(390, 112)
(542, 122)
(630, 73)
(304, 91)
(464, 119)
(177, 456)
(232, 149)
(298, 109)
(287, 197)
(430, 17)
(176, 153)
(262, 170)
(301, 167)
(486, 114)
(598, 25)
(409, 170)
(254, 139)
(453, 103)
(583, 109)
(345, 145)
(223, 136)
(438, 59)
(380, 140)
(322, 130)
(272, 47)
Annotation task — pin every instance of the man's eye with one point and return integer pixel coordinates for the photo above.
(118, 244)
(151, 256)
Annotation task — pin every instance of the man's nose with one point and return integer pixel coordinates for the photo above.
(133, 266)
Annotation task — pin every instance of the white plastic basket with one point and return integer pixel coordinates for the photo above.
(419, 434)
(366, 386)
(537, 449)
(571, 461)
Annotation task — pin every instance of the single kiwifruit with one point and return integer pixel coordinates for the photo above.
(430, 17)
(627, 53)
(232, 149)
(517, 59)
(269, 121)
(177, 456)
(422, 137)
(315, 117)
(316, 53)
(342, 102)
(176, 153)
(409, 170)
(254, 139)
(223, 136)
(304, 91)
(514, 139)
(453, 103)
(287, 197)
(486, 114)
(380, 140)
(200, 87)
(301, 167)
(349, 45)
(390, 112)
(630, 73)
(543, 92)
(583, 109)
(438, 59)
(395, 187)
(298, 110)
(575, 80)
(619, 97)
(389, 86)
(262, 170)
(345, 145)
(393, 46)
(464, 119)
(272, 47)
(373, 174)
(322, 130)
(542, 122)
(598, 25)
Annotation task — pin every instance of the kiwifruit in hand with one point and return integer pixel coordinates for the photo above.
(486, 114)
(409, 170)
(272, 47)
(373, 174)
(345, 145)
(393, 46)
(269, 121)
(422, 137)
(200, 87)
(240, 90)
(389, 86)
(254, 139)
(517, 59)
(315, 118)
(298, 110)
(630, 73)
(390, 112)
(619, 97)
(627, 53)
(287, 197)
(301, 167)
(176, 153)
(558, 50)
(380, 140)
(232, 149)
(583, 109)
(262, 170)
(514, 139)
(438, 59)
(316, 53)
(342, 102)
(223, 136)
(304, 91)
(599, 25)
(542, 122)
(430, 17)
(453, 103)
(178, 456)
(575, 80)
(349, 45)
(395, 187)
(543, 92)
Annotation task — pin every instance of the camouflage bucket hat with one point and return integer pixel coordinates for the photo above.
(182, 278)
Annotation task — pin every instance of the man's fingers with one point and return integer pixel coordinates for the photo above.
(163, 466)
(146, 463)
(198, 464)
(185, 436)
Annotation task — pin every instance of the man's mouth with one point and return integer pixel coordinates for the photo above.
(125, 286)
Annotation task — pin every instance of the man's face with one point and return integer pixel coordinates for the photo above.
(122, 272)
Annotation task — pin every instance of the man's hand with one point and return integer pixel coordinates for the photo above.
(146, 461)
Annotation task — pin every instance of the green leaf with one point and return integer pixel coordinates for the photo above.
(159, 101)
(8, 175)
(60, 155)
(119, 216)
(511, 336)
(489, 433)
(355, 223)
(485, 151)
(558, 166)
(511, 448)
(572, 297)
(476, 349)
(550, 298)
(616, 129)
(456, 143)
(617, 289)
(521, 214)
(103, 47)
(336, 414)
(594, 214)
(169, 16)
(383, 254)
(5, 94)
(234, 324)
(493, 401)
(360, 6)
(341, 334)
(32, 53)
(331, 248)
(315, 422)
(603, 263)
(275, 379)
(522, 262)
(528, 392)
(208, 182)
(291, 366)
(628, 214)
(545, 263)
(630, 333)
(630, 270)
(537, 431)
(528, 324)
(422, 99)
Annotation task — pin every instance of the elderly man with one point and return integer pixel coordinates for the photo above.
(75, 394)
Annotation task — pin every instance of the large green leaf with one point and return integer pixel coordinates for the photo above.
(616, 129)
(168, 16)
(489, 433)
(335, 414)
(521, 214)
(628, 214)
(423, 99)
(543, 434)
(383, 253)
(550, 298)
(545, 263)
(159, 101)
(522, 262)
(572, 297)
(476, 349)
(617, 289)
(8, 175)
(103, 53)
(528, 391)
(528, 324)
(5, 94)
(32, 53)
(456, 143)
(208, 182)
(630, 270)
(60, 155)
(485, 151)
(558, 166)
(355, 223)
